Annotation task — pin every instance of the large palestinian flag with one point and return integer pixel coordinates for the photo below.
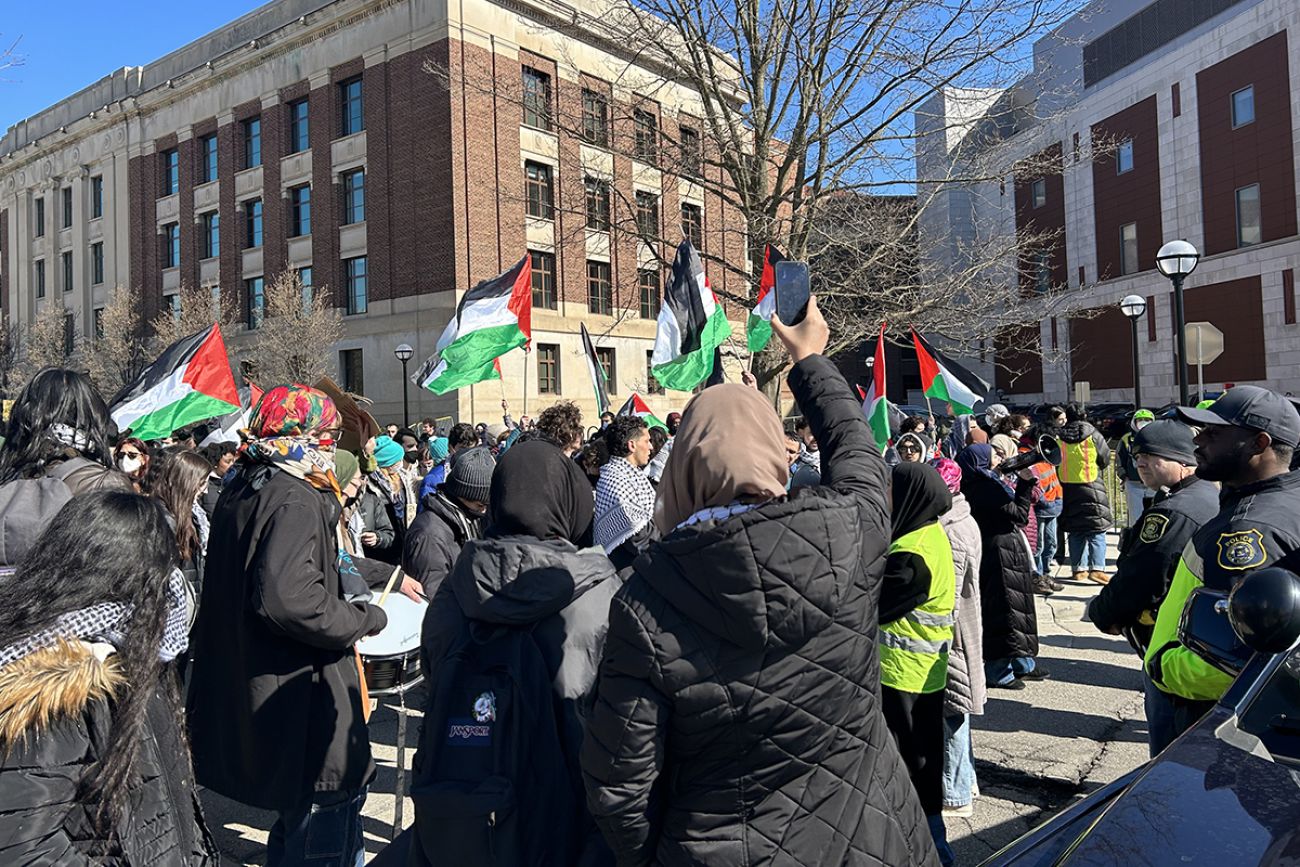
(758, 330)
(634, 405)
(492, 318)
(691, 325)
(946, 380)
(190, 382)
(875, 403)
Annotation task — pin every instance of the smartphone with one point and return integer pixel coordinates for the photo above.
(792, 291)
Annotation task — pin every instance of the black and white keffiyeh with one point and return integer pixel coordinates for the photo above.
(625, 503)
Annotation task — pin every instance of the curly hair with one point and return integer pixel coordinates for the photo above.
(561, 424)
(620, 431)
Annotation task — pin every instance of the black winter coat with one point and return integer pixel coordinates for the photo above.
(1086, 507)
(377, 517)
(434, 540)
(738, 715)
(40, 819)
(275, 694)
(1007, 606)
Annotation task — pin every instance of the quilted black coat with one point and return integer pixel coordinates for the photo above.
(1087, 507)
(738, 718)
(1006, 572)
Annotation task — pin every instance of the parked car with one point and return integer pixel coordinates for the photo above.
(1228, 791)
(1111, 418)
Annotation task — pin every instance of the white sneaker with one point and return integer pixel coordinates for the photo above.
(965, 811)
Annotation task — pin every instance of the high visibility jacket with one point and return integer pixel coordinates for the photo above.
(1179, 670)
(1078, 462)
(914, 648)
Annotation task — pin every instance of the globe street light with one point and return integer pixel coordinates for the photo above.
(1176, 260)
(404, 353)
(1133, 306)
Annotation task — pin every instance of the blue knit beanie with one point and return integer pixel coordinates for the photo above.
(387, 452)
(438, 448)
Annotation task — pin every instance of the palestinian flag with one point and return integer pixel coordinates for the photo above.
(597, 372)
(492, 318)
(691, 325)
(190, 382)
(758, 330)
(946, 380)
(226, 428)
(875, 404)
(634, 405)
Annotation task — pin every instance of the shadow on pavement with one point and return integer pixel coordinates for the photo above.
(1115, 644)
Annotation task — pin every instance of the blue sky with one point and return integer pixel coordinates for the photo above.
(70, 44)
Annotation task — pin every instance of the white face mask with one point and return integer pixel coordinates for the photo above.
(128, 465)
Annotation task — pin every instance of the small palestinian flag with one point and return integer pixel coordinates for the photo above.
(946, 380)
(190, 382)
(597, 372)
(875, 404)
(758, 330)
(492, 318)
(634, 405)
(691, 325)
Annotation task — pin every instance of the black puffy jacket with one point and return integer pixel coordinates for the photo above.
(738, 713)
(434, 540)
(1086, 506)
(40, 819)
(1007, 605)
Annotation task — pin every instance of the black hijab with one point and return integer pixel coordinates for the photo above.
(920, 496)
(537, 491)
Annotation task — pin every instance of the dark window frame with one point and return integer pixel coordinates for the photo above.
(595, 118)
(608, 361)
(539, 190)
(599, 203)
(693, 224)
(208, 159)
(299, 127)
(299, 211)
(69, 272)
(650, 290)
(254, 228)
(542, 266)
(352, 106)
(97, 263)
(647, 213)
(252, 132)
(645, 146)
(692, 152)
(38, 277)
(652, 385)
(548, 368)
(38, 216)
(353, 379)
(255, 289)
(96, 197)
(170, 173)
(1237, 123)
(600, 288)
(171, 245)
(536, 98)
(354, 278)
(1123, 254)
(1259, 213)
(65, 196)
(211, 221)
(354, 196)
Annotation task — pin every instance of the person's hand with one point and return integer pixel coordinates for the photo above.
(1028, 474)
(505, 407)
(411, 589)
(748, 378)
(807, 338)
(369, 539)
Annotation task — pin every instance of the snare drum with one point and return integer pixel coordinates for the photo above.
(390, 660)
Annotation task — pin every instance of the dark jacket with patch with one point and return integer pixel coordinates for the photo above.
(1086, 506)
(738, 714)
(1149, 558)
(1007, 606)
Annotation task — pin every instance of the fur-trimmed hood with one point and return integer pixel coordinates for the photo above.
(51, 684)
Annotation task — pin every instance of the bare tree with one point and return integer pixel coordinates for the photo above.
(197, 307)
(43, 343)
(299, 328)
(117, 351)
(10, 342)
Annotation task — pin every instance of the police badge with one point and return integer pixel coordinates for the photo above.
(1242, 550)
(1153, 527)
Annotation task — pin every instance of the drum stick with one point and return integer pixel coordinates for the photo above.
(392, 579)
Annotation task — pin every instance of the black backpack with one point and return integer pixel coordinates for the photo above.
(491, 785)
(27, 506)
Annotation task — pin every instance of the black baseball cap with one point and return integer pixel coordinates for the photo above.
(1251, 407)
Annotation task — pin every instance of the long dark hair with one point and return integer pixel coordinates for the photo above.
(175, 476)
(55, 395)
(124, 552)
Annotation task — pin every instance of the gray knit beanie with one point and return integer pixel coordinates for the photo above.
(470, 476)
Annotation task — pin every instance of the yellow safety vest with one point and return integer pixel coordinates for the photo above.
(1182, 672)
(1078, 462)
(914, 648)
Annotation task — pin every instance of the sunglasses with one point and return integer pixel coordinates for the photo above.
(131, 454)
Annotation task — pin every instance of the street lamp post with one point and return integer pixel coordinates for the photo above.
(1176, 260)
(1133, 306)
(404, 353)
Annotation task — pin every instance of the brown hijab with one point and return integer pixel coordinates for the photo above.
(730, 446)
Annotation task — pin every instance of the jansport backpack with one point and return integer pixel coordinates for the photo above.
(491, 785)
(27, 506)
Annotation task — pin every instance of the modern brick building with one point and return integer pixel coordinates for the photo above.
(394, 151)
(1196, 104)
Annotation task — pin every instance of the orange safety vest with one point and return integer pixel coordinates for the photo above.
(1048, 482)
(1078, 462)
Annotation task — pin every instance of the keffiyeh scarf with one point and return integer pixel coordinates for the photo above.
(625, 503)
(303, 457)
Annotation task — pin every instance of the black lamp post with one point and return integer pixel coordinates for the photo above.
(1176, 260)
(1133, 306)
(404, 353)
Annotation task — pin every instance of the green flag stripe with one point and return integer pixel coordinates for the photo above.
(687, 371)
(758, 331)
(191, 408)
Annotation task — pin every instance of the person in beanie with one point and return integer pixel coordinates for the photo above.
(1085, 515)
(461, 436)
(625, 499)
(452, 515)
(1137, 496)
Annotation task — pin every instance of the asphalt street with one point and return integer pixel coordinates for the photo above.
(1036, 750)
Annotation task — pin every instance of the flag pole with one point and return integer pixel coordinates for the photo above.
(525, 410)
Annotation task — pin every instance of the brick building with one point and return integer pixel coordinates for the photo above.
(395, 153)
(1195, 108)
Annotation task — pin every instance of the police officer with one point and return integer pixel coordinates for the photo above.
(1246, 442)
(1164, 458)
(1136, 493)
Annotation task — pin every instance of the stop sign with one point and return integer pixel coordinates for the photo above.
(1204, 343)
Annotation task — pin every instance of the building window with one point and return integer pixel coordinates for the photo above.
(538, 191)
(39, 216)
(600, 291)
(595, 118)
(39, 278)
(691, 157)
(96, 197)
(214, 303)
(548, 369)
(1038, 193)
(65, 260)
(605, 358)
(308, 290)
(298, 127)
(97, 263)
(354, 197)
(99, 323)
(352, 371)
(300, 211)
(256, 302)
(353, 118)
(355, 270)
(171, 172)
(172, 303)
(252, 142)
(597, 204)
(543, 277)
(693, 225)
(211, 235)
(1124, 157)
(171, 245)
(69, 333)
(646, 144)
(1128, 242)
(253, 223)
(647, 214)
(537, 98)
(647, 280)
(67, 207)
(1243, 106)
(1042, 264)
(1249, 229)
(652, 385)
(207, 159)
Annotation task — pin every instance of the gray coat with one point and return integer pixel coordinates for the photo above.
(966, 684)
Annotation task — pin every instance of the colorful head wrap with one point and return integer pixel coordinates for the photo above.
(949, 472)
(288, 410)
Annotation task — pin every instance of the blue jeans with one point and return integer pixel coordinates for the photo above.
(1161, 729)
(939, 833)
(1003, 671)
(958, 761)
(323, 832)
(1087, 552)
(1046, 544)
